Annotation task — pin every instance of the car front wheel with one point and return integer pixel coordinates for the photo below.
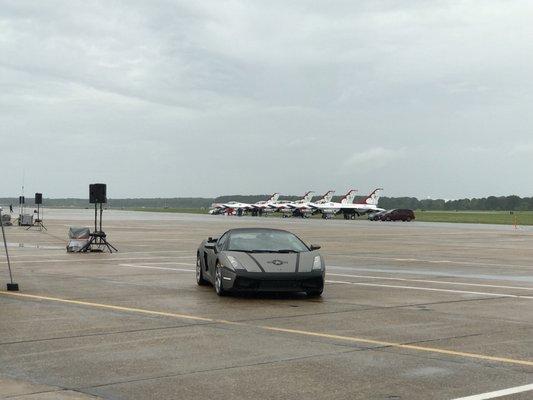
(199, 274)
(218, 281)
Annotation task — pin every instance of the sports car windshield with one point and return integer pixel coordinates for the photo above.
(266, 241)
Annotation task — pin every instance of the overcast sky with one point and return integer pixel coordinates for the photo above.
(204, 98)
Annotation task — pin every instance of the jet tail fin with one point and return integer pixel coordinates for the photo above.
(327, 197)
(308, 197)
(274, 197)
(349, 197)
(372, 198)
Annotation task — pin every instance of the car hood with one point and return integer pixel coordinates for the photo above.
(275, 262)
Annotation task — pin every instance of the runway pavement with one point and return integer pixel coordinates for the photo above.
(411, 311)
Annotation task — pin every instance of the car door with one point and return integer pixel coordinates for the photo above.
(211, 256)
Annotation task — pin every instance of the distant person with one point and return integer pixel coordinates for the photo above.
(11, 208)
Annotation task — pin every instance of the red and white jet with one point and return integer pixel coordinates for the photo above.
(303, 207)
(235, 207)
(267, 206)
(348, 207)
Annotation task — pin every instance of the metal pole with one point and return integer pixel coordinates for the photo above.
(5, 246)
(101, 211)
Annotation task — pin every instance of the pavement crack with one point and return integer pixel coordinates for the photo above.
(106, 333)
(441, 338)
(370, 308)
(225, 368)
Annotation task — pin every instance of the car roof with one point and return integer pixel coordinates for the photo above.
(237, 230)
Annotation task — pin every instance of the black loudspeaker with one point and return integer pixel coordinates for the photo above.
(22, 200)
(97, 193)
(38, 198)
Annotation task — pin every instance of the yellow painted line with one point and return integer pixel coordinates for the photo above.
(401, 346)
(109, 307)
(278, 329)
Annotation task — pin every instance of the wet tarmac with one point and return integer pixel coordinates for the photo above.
(410, 311)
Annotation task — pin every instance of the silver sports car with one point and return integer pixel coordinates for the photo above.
(260, 259)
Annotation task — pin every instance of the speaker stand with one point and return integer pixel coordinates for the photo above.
(38, 223)
(98, 237)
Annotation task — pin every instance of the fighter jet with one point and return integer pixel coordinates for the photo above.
(289, 207)
(330, 208)
(350, 209)
(303, 208)
(364, 206)
(267, 206)
(235, 207)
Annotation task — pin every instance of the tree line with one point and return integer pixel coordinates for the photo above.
(491, 203)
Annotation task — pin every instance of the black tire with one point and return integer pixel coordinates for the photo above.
(408, 219)
(200, 280)
(219, 289)
(314, 292)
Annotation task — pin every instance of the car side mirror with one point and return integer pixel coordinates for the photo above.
(212, 240)
(314, 247)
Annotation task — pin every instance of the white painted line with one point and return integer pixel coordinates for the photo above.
(20, 256)
(65, 254)
(89, 259)
(170, 262)
(352, 283)
(148, 267)
(175, 240)
(499, 393)
(419, 260)
(430, 281)
(158, 252)
(514, 296)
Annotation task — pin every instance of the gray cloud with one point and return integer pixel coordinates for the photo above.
(374, 158)
(176, 98)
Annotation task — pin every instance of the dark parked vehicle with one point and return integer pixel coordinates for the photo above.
(398, 215)
(260, 259)
(376, 215)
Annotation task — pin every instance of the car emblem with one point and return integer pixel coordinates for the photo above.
(277, 262)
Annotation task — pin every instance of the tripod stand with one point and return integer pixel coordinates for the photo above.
(98, 237)
(11, 286)
(38, 223)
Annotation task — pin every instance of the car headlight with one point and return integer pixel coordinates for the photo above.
(317, 263)
(235, 263)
